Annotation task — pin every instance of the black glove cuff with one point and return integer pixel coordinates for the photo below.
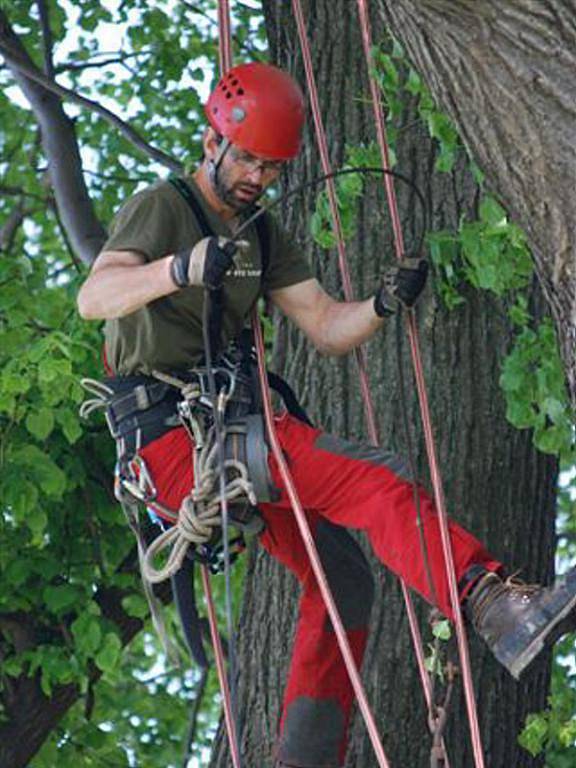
(218, 261)
(381, 306)
(179, 268)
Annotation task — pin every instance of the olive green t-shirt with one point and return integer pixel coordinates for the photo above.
(166, 334)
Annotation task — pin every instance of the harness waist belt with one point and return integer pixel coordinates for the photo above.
(138, 400)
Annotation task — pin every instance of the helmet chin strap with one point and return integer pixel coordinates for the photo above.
(215, 162)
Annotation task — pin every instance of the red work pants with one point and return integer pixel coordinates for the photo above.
(341, 485)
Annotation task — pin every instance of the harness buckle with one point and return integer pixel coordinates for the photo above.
(142, 399)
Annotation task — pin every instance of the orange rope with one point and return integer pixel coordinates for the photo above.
(360, 354)
(313, 555)
(425, 410)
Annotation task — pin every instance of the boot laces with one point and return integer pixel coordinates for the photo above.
(491, 588)
(516, 586)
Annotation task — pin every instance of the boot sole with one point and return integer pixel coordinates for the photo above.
(516, 663)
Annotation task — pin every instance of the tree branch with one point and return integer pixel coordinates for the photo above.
(119, 59)
(30, 71)
(47, 39)
(7, 189)
(11, 225)
(256, 54)
(60, 146)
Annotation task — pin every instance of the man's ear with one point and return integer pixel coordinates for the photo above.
(210, 143)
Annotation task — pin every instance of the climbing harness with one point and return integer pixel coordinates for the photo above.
(136, 416)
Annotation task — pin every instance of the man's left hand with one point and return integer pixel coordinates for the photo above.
(402, 284)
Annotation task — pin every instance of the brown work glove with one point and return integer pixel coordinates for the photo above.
(207, 262)
(401, 285)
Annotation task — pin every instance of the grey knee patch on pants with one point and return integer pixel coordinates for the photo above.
(348, 574)
(373, 454)
(312, 733)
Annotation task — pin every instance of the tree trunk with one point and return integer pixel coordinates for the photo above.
(496, 484)
(504, 72)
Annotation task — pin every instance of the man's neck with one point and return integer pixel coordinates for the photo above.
(205, 186)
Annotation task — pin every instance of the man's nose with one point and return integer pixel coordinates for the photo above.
(256, 173)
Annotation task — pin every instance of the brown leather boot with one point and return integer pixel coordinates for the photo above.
(518, 620)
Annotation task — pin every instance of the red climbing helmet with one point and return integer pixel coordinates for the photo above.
(260, 109)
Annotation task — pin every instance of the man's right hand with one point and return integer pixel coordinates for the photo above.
(206, 264)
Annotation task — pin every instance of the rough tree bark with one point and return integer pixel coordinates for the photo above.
(496, 484)
(504, 72)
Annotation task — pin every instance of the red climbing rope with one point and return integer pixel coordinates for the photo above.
(221, 669)
(359, 353)
(425, 410)
(225, 37)
(340, 632)
(228, 700)
(313, 555)
(225, 63)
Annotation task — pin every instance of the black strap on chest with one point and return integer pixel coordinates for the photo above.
(217, 295)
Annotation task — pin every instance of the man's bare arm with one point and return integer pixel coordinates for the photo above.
(120, 282)
(333, 327)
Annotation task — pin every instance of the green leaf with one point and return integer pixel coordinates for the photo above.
(491, 212)
(70, 423)
(40, 423)
(555, 409)
(22, 496)
(445, 160)
(550, 439)
(135, 605)
(442, 630)
(37, 521)
(414, 83)
(18, 571)
(12, 666)
(520, 413)
(52, 369)
(60, 598)
(108, 657)
(87, 633)
(534, 736)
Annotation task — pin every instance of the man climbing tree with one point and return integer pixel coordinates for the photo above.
(170, 243)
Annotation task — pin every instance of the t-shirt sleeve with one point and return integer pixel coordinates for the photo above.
(145, 224)
(287, 265)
